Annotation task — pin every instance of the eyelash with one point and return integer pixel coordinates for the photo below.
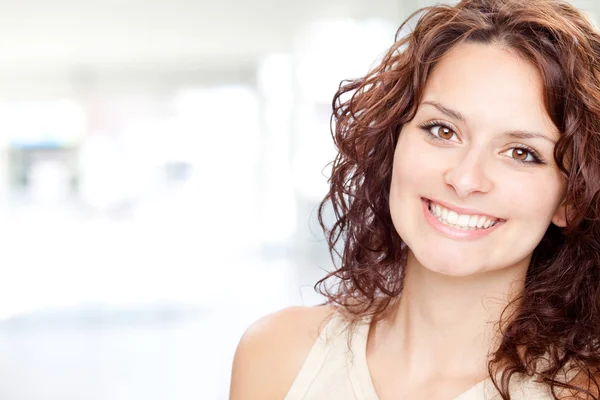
(426, 126)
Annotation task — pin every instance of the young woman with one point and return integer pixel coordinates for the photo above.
(466, 192)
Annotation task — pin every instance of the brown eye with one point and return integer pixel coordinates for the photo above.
(523, 155)
(440, 132)
(520, 154)
(443, 132)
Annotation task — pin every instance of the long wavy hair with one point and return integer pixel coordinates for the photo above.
(557, 320)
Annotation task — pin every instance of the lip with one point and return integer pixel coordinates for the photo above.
(457, 233)
(460, 210)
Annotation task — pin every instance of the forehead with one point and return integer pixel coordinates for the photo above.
(491, 86)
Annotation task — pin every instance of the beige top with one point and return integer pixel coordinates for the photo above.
(331, 372)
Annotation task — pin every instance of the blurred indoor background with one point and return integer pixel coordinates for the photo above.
(160, 166)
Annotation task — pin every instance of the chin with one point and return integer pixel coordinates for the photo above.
(453, 270)
(458, 267)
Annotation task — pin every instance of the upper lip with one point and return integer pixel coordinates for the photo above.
(461, 210)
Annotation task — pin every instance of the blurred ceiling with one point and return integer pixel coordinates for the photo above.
(45, 41)
(62, 34)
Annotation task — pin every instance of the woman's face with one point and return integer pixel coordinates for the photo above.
(474, 183)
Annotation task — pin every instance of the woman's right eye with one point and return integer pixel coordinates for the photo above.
(440, 132)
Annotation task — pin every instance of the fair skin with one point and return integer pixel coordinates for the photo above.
(487, 150)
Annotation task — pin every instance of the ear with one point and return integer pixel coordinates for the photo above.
(560, 216)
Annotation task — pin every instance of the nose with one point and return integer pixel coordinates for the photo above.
(468, 176)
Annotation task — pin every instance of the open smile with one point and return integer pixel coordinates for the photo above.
(457, 222)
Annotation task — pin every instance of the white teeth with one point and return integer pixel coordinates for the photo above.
(452, 217)
(462, 222)
(480, 222)
(473, 221)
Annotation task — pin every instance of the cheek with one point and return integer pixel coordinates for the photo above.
(415, 162)
(415, 174)
(535, 198)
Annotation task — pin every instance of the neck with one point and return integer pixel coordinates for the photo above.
(444, 324)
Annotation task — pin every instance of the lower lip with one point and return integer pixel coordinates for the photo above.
(453, 232)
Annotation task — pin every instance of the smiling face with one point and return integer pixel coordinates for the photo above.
(474, 182)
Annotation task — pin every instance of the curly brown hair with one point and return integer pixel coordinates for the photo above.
(558, 314)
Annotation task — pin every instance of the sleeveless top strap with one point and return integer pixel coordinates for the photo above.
(334, 370)
(360, 376)
(312, 365)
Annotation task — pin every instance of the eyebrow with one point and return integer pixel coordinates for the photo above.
(517, 134)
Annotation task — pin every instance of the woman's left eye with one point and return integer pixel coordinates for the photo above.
(522, 155)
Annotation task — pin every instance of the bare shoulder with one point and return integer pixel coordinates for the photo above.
(273, 350)
(583, 380)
